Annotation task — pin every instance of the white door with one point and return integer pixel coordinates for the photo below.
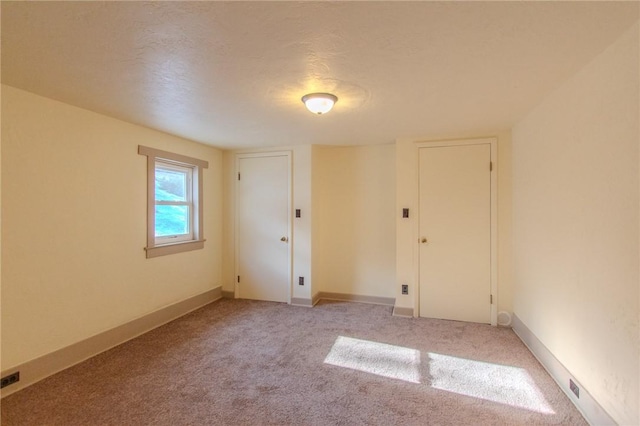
(263, 189)
(455, 232)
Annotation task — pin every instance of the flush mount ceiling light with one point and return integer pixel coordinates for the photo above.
(319, 103)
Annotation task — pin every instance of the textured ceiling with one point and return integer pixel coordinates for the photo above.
(231, 74)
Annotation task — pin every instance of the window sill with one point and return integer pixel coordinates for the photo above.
(173, 248)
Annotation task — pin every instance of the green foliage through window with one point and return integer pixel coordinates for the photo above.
(173, 209)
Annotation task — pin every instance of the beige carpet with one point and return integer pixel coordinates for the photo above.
(251, 363)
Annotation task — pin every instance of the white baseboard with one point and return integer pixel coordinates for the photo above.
(402, 312)
(586, 404)
(376, 300)
(40, 368)
(301, 301)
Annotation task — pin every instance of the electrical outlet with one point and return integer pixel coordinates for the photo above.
(300, 280)
(405, 289)
(574, 388)
(10, 379)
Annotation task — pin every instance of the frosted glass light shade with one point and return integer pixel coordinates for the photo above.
(319, 103)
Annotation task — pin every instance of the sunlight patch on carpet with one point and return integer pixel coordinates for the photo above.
(394, 362)
(493, 382)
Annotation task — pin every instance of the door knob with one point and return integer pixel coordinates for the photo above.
(423, 240)
(284, 239)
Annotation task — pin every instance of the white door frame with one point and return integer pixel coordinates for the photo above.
(493, 143)
(289, 222)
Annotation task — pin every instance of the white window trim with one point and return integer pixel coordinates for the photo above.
(154, 249)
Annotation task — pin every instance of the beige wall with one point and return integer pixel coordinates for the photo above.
(354, 219)
(576, 223)
(345, 240)
(1, 121)
(74, 226)
(407, 229)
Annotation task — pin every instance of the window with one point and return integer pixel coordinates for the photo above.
(174, 202)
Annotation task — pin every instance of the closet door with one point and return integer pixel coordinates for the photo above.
(263, 227)
(455, 232)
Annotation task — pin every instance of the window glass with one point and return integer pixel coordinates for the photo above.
(171, 185)
(172, 220)
(173, 202)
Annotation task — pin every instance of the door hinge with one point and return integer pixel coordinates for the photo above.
(238, 278)
(490, 298)
(238, 175)
(490, 166)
